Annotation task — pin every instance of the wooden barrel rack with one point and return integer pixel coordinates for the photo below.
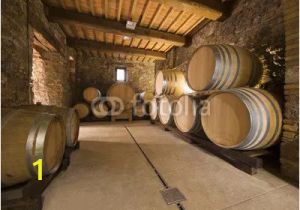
(246, 161)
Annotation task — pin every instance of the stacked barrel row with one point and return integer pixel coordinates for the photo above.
(141, 104)
(91, 104)
(224, 106)
(120, 96)
(33, 132)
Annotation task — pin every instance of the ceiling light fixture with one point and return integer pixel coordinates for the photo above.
(130, 25)
(126, 37)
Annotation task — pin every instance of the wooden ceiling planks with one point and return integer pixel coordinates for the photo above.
(111, 48)
(149, 13)
(64, 17)
(169, 16)
(197, 22)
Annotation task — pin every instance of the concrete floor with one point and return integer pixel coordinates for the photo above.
(110, 172)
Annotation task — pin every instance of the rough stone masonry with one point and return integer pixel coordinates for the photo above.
(100, 73)
(26, 77)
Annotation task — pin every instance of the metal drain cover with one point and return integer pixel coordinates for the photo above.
(172, 196)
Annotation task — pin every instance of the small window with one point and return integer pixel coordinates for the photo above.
(121, 75)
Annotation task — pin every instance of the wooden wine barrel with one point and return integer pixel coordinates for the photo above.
(69, 116)
(222, 67)
(26, 137)
(160, 84)
(153, 109)
(187, 114)
(145, 96)
(175, 83)
(166, 109)
(171, 82)
(244, 118)
(91, 93)
(124, 92)
(140, 110)
(82, 109)
(99, 109)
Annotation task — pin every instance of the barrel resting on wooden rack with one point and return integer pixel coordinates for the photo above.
(26, 137)
(100, 109)
(82, 109)
(90, 94)
(243, 118)
(140, 110)
(124, 92)
(144, 97)
(187, 114)
(221, 67)
(171, 82)
(166, 109)
(69, 116)
(153, 109)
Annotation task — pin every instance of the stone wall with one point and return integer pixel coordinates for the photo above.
(289, 157)
(24, 24)
(15, 58)
(50, 76)
(50, 79)
(100, 73)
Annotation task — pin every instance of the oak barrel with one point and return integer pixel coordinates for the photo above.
(99, 109)
(123, 91)
(145, 96)
(187, 114)
(160, 84)
(140, 110)
(222, 67)
(244, 118)
(171, 82)
(69, 116)
(26, 137)
(166, 109)
(82, 109)
(90, 94)
(153, 109)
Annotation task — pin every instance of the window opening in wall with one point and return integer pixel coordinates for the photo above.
(121, 75)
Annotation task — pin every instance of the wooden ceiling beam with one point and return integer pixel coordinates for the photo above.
(111, 48)
(43, 35)
(62, 16)
(211, 9)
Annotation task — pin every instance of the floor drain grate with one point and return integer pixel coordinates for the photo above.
(172, 196)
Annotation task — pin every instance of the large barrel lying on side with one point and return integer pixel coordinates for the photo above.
(244, 118)
(171, 82)
(91, 93)
(124, 92)
(166, 109)
(82, 109)
(69, 116)
(140, 110)
(26, 137)
(187, 114)
(222, 67)
(99, 109)
(160, 84)
(153, 109)
(144, 97)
